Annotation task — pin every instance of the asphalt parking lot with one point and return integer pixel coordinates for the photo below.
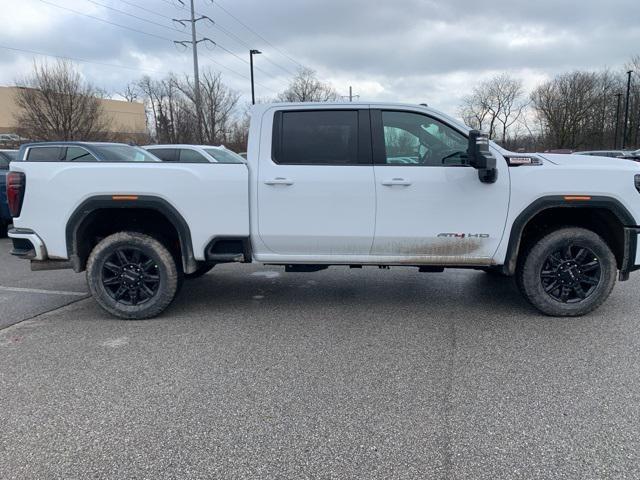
(254, 373)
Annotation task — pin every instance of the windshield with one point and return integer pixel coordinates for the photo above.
(224, 156)
(123, 153)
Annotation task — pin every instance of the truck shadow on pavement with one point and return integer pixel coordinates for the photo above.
(339, 290)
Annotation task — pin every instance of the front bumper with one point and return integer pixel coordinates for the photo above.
(27, 244)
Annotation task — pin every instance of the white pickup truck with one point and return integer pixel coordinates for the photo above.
(331, 184)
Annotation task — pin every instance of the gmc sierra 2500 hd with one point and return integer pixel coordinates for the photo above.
(334, 184)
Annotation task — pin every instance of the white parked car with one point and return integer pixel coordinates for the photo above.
(602, 153)
(194, 154)
(353, 184)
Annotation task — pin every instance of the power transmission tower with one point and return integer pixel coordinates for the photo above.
(194, 47)
(351, 96)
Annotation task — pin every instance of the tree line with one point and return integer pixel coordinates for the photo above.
(579, 110)
(56, 103)
(574, 110)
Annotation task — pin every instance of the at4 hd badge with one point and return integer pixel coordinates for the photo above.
(463, 235)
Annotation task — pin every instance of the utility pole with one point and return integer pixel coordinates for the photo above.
(615, 135)
(626, 110)
(351, 96)
(194, 47)
(253, 52)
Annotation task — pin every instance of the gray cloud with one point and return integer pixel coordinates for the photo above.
(407, 50)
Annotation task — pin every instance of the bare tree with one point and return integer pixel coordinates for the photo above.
(55, 103)
(495, 105)
(566, 106)
(170, 104)
(306, 87)
(172, 115)
(218, 105)
(131, 92)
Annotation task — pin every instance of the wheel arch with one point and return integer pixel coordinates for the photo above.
(613, 215)
(82, 215)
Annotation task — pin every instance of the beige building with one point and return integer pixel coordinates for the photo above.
(127, 119)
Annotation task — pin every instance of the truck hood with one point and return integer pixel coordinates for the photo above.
(588, 161)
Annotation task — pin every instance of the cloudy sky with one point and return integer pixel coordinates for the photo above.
(430, 51)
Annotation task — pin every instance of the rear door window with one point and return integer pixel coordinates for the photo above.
(320, 137)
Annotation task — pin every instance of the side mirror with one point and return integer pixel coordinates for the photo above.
(480, 158)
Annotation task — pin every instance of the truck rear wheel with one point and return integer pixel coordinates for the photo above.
(132, 276)
(567, 273)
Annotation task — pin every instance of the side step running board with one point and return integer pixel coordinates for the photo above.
(225, 257)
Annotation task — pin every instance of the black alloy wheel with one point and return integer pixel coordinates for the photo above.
(568, 272)
(571, 274)
(130, 277)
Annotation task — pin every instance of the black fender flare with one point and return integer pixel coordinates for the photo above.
(98, 202)
(560, 201)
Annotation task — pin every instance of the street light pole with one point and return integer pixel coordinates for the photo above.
(615, 135)
(626, 110)
(253, 52)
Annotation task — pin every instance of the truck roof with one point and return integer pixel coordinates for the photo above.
(262, 107)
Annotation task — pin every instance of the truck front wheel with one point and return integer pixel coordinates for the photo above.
(132, 276)
(567, 273)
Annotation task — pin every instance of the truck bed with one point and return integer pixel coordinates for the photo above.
(213, 199)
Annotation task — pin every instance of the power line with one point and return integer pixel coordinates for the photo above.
(136, 17)
(76, 59)
(239, 40)
(176, 30)
(282, 52)
(137, 31)
(106, 21)
(246, 45)
(240, 74)
(148, 10)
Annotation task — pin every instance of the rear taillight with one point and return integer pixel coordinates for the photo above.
(16, 182)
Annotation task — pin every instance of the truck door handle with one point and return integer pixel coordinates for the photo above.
(279, 181)
(396, 181)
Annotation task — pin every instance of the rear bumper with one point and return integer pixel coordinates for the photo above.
(27, 244)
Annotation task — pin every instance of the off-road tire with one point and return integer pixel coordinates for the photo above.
(201, 271)
(531, 278)
(164, 267)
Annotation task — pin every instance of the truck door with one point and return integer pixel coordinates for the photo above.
(316, 192)
(430, 207)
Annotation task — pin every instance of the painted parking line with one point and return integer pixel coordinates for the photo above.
(39, 290)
